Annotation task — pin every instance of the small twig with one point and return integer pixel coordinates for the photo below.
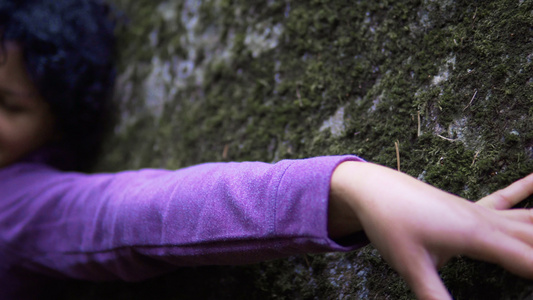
(475, 157)
(418, 133)
(474, 18)
(471, 100)
(307, 261)
(397, 146)
(225, 151)
(445, 138)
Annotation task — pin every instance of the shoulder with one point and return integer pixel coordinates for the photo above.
(13, 172)
(22, 177)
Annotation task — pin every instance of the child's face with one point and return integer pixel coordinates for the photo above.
(26, 121)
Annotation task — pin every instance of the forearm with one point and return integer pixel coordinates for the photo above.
(360, 189)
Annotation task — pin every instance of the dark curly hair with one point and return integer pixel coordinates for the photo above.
(68, 47)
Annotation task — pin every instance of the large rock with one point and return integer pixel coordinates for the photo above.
(450, 82)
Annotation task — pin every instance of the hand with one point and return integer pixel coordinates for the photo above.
(417, 228)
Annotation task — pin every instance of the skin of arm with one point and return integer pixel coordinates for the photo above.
(417, 228)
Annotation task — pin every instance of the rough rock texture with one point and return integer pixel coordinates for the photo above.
(451, 82)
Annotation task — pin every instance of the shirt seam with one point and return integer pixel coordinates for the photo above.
(273, 227)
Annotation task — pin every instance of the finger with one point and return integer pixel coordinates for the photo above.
(519, 215)
(519, 259)
(520, 230)
(422, 277)
(509, 196)
(507, 251)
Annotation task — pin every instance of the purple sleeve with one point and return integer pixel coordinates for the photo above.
(136, 224)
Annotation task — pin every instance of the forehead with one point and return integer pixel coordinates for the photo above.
(14, 78)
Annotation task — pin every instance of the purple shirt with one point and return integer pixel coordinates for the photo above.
(137, 224)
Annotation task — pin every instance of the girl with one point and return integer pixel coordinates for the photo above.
(55, 78)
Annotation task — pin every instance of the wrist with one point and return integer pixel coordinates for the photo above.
(342, 215)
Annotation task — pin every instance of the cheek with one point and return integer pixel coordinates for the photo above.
(20, 135)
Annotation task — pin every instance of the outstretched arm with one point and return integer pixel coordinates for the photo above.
(418, 228)
(134, 225)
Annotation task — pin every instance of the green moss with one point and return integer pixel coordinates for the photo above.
(463, 67)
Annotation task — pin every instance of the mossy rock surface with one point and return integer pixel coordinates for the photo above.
(451, 82)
